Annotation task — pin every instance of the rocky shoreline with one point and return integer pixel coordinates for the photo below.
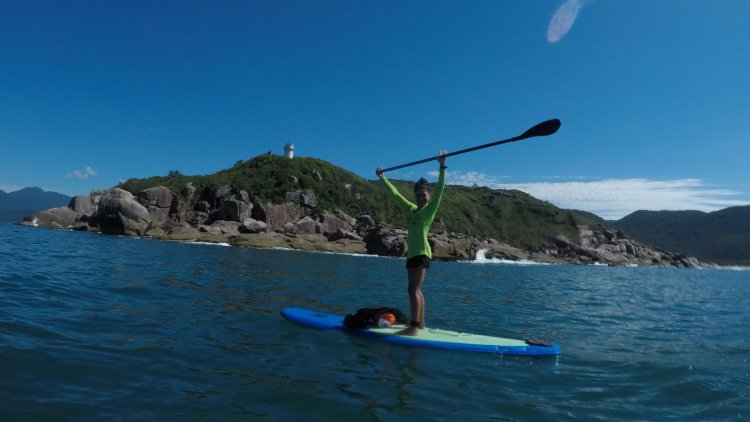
(218, 215)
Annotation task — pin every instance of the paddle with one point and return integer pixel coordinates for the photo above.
(542, 129)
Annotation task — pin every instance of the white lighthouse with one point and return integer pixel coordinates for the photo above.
(289, 151)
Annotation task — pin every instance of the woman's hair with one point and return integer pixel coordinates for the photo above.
(421, 185)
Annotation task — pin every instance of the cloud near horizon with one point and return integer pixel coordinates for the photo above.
(8, 188)
(613, 199)
(85, 174)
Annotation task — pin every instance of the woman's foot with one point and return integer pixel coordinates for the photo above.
(412, 330)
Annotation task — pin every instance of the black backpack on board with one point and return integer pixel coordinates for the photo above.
(368, 317)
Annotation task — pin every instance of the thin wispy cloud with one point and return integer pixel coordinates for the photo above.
(82, 174)
(7, 188)
(613, 199)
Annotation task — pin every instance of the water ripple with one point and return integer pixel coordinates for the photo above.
(104, 327)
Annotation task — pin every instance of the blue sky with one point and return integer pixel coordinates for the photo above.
(653, 95)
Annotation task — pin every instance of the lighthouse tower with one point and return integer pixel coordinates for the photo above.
(289, 151)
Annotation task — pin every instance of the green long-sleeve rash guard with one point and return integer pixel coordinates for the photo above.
(419, 220)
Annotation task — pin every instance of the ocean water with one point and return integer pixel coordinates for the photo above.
(96, 327)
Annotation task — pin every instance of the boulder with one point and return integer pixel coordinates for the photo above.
(156, 232)
(183, 205)
(188, 190)
(96, 196)
(252, 226)
(499, 250)
(220, 204)
(203, 206)
(343, 234)
(159, 196)
(293, 197)
(306, 198)
(304, 225)
(277, 215)
(183, 232)
(223, 192)
(80, 226)
(364, 224)
(386, 241)
(120, 213)
(216, 196)
(196, 218)
(607, 247)
(236, 210)
(82, 204)
(243, 196)
(159, 203)
(222, 227)
(455, 247)
(61, 217)
(330, 223)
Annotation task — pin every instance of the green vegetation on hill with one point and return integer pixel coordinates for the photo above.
(269, 177)
(721, 236)
(510, 216)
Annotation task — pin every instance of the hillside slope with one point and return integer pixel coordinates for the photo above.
(720, 236)
(509, 216)
(15, 205)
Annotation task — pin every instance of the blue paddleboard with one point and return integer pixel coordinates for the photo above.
(429, 337)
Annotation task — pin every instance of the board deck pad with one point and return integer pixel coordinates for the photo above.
(428, 337)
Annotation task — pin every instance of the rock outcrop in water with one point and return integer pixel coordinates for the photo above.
(219, 215)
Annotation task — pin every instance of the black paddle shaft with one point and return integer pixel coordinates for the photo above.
(542, 129)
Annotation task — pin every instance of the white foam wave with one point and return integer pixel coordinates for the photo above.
(733, 268)
(358, 255)
(481, 258)
(198, 242)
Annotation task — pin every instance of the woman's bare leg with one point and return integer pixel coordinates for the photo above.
(416, 298)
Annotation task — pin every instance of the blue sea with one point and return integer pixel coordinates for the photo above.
(98, 327)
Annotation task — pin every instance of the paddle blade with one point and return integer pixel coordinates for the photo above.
(542, 129)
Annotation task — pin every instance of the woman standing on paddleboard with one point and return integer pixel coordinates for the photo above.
(419, 219)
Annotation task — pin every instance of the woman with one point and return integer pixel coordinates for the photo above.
(419, 218)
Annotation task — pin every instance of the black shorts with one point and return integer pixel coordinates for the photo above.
(418, 261)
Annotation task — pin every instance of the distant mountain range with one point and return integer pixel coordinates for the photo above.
(721, 236)
(16, 205)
